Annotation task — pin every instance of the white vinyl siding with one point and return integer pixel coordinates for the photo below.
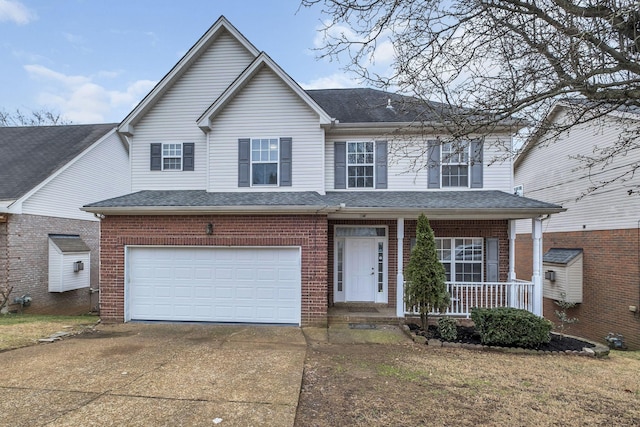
(550, 174)
(402, 175)
(266, 106)
(100, 173)
(174, 117)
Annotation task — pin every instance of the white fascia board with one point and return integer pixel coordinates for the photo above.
(263, 60)
(65, 167)
(9, 206)
(461, 214)
(127, 125)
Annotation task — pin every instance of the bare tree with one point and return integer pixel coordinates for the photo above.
(494, 59)
(32, 118)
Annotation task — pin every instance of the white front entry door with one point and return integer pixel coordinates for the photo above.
(361, 278)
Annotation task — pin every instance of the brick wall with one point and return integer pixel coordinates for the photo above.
(473, 228)
(27, 247)
(611, 281)
(307, 231)
(484, 229)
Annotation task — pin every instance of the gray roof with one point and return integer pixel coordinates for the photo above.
(383, 201)
(69, 243)
(363, 105)
(201, 198)
(481, 199)
(561, 256)
(30, 154)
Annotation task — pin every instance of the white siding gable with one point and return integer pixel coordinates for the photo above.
(266, 108)
(550, 173)
(173, 118)
(100, 173)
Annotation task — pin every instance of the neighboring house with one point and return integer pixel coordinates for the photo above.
(257, 201)
(48, 246)
(598, 235)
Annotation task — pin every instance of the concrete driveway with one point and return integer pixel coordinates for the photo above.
(156, 375)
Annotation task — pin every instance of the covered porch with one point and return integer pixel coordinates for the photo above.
(372, 234)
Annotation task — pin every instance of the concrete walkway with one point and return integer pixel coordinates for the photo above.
(156, 375)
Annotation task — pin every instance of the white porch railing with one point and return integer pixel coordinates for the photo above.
(466, 295)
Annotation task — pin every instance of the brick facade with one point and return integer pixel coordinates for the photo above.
(24, 247)
(611, 281)
(306, 231)
(458, 228)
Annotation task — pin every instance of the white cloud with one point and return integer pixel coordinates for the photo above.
(81, 99)
(333, 81)
(11, 10)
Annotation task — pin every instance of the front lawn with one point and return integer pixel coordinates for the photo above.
(20, 330)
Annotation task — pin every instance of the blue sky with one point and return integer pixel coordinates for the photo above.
(93, 60)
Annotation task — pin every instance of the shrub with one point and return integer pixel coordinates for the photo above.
(513, 327)
(448, 328)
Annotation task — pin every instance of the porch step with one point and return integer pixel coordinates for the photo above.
(361, 316)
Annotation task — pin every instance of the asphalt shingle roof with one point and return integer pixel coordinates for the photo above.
(29, 155)
(69, 243)
(454, 200)
(363, 105)
(561, 256)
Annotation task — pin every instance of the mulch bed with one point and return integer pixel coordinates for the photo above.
(468, 335)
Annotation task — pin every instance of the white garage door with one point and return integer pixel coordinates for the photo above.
(229, 284)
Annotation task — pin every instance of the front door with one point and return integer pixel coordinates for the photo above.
(361, 278)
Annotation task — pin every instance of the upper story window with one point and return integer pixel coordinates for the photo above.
(455, 164)
(264, 161)
(174, 156)
(360, 164)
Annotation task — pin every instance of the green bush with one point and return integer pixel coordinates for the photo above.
(448, 328)
(511, 327)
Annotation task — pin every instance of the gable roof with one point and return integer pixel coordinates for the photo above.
(29, 155)
(222, 24)
(263, 60)
(581, 105)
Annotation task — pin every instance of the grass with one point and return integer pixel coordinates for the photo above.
(390, 385)
(21, 330)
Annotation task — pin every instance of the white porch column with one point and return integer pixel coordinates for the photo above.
(400, 276)
(512, 250)
(537, 265)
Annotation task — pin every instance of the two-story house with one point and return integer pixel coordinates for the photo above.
(601, 225)
(257, 201)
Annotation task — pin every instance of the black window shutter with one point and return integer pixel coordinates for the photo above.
(492, 259)
(340, 165)
(476, 163)
(187, 156)
(244, 163)
(381, 164)
(285, 162)
(156, 157)
(433, 164)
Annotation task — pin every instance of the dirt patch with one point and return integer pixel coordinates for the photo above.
(411, 384)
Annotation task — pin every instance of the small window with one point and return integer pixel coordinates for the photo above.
(360, 164)
(455, 164)
(172, 157)
(264, 161)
